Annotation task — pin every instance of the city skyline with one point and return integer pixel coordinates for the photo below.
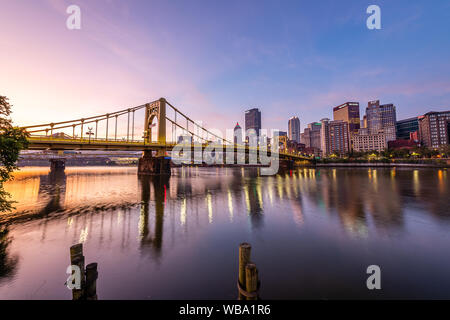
(299, 65)
(224, 157)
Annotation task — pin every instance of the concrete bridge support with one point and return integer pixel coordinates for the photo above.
(286, 164)
(57, 165)
(150, 165)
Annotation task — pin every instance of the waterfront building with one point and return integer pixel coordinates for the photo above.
(348, 112)
(311, 135)
(381, 117)
(294, 129)
(434, 129)
(403, 144)
(365, 141)
(405, 127)
(335, 137)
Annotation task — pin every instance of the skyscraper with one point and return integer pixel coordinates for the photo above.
(237, 134)
(294, 129)
(253, 120)
(311, 135)
(381, 118)
(348, 112)
(335, 137)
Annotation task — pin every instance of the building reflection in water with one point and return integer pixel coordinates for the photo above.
(153, 191)
(141, 223)
(53, 187)
(362, 200)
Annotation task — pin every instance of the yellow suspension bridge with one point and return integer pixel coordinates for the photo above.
(103, 134)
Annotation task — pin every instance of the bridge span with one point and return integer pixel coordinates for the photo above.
(106, 132)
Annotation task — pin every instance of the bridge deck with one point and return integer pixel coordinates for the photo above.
(49, 143)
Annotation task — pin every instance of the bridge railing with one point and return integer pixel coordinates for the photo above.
(102, 125)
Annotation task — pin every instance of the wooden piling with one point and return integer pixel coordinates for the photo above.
(251, 281)
(77, 258)
(91, 281)
(244, 259)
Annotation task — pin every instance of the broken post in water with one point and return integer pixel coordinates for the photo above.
(91, 281)
(251, 281)
(77, 259)
(244, 258)
(88, 281)
(248, 282)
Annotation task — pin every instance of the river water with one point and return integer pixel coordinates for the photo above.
(313, 232)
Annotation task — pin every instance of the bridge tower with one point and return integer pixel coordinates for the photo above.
(158, 164)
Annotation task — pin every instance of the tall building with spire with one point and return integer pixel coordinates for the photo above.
(294, 129)
(237, 134)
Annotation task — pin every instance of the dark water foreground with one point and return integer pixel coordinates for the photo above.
(314, 232)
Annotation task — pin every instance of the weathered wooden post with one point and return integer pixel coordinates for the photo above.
(77, 259)
(91, 281)
(244, 259)
(251, 281)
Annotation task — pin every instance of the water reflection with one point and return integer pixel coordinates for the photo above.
(152, 188)
(150, 220)
(355, 195)
(54, 187)
(8, 262)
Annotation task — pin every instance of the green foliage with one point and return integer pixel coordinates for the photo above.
(12, 140)
(8, 263)
(416, 155)
(445, 151)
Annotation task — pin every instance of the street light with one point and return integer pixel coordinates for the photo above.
(89, 133)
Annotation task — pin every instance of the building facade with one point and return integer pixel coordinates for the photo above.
(381, 117)
(315, 134)
(237, 134)
(311, 135)
(335, 137)
(365, 141)
(405, 127)
(253, 120)
(348, 112)
(294, 129)
(364, 122)
(434, 129)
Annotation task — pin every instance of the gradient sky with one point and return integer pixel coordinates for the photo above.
(215, 59)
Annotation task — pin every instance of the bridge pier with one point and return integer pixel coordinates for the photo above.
(286, 164)
(149, 165)
(57, 165)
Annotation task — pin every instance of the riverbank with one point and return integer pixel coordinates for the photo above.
(420, 163)
(408, 165)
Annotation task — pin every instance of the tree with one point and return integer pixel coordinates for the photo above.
(12, 140)
(445, 150)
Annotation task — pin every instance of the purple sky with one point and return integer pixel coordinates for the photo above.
(215, 59)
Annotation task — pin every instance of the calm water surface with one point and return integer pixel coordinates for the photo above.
(314, 232)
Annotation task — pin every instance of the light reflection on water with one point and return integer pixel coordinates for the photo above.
(314, 232)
